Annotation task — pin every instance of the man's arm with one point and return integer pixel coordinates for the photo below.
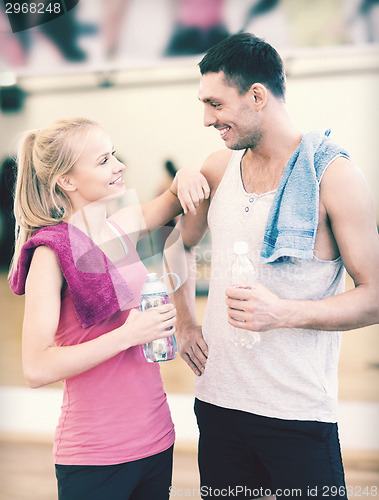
(193, 227)
(349, 206)
(192, 346)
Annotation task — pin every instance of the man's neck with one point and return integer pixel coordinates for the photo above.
(262, 168)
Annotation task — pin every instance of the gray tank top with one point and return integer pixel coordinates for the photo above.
(292, 373)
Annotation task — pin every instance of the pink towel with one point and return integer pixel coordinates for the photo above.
(97, 288)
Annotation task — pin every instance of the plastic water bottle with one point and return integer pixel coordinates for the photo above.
(242, 275)
(154, 294)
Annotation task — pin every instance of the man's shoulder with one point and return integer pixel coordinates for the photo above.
(215, 166)
(324, 150)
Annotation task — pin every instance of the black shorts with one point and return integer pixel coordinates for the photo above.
(242, 455)
(147, 478)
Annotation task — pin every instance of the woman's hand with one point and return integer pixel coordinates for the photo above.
(152, 324)
(191, 188)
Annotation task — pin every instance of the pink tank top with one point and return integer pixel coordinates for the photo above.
(117, 411)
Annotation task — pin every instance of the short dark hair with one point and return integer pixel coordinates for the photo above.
(246, 59)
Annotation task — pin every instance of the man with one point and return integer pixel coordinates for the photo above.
(267, 415)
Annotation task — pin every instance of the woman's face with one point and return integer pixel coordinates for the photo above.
(97, 174)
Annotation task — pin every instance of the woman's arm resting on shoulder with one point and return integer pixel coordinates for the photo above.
(44, 362)
(188, 189)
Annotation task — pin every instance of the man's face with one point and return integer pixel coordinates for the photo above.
(232, 114)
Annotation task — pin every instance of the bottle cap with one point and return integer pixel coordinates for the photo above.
(153, 285)
(240, 248)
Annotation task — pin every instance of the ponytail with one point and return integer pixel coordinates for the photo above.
(43, 157)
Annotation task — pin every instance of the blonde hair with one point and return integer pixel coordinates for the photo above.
(44, 156)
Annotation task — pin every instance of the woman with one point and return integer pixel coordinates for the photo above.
(82, 278)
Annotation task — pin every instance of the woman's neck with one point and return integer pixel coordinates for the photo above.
(91, 220)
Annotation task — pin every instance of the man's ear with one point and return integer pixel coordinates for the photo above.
(259, 94)
(66, 184)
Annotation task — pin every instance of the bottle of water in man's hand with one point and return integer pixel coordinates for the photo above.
(242, 275)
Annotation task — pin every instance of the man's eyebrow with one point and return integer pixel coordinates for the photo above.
(206, 99)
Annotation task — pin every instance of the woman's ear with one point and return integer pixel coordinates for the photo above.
(66, 184)
(259, 94)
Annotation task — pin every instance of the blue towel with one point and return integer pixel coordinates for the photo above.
(292, 222)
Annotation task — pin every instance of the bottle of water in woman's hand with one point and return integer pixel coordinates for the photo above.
(242, 275)
(154, 294)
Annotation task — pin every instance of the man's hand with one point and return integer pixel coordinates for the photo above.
(193, 348)
(255, 309)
